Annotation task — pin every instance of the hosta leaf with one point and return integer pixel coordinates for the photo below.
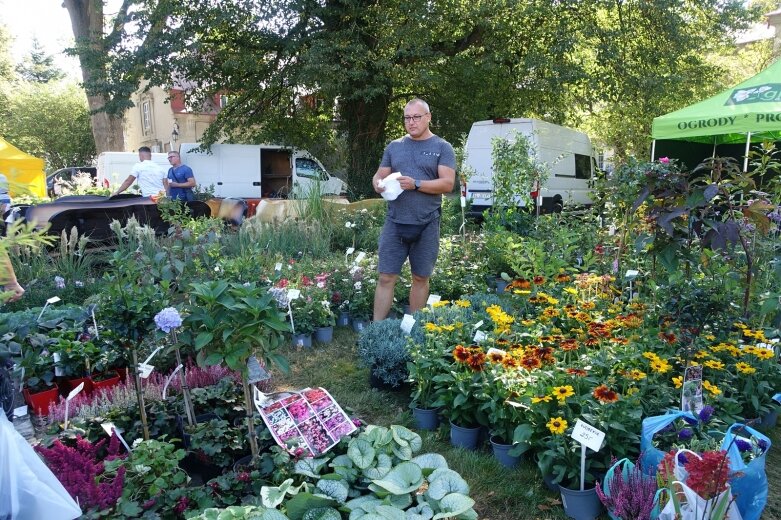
(273, 496)
(453, 505)
(404, 435)
(309, 467)
(390, 513)
(335, 489)
(361, 452)
(401, 501)
(404, 478)
(298, 506)
(428, 462)
(378, 435)
(383, 466)
(445, 481)
(322, 513)
(420, 512)
(366, 503)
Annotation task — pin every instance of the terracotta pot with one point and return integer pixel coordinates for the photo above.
(40, 402)
(106, 383)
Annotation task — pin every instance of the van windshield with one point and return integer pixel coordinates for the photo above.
(310, 169)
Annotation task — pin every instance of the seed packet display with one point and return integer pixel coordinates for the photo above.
(310, 419)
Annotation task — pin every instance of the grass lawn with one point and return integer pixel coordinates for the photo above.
(500, 493)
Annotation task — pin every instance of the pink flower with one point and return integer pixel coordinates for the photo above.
(664, 160)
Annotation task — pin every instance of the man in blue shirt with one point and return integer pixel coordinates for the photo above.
(181, 180)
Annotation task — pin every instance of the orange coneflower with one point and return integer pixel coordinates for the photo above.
(569, 344)
(544, 354)
(539, 280)
(531, 362)
(577, 372)
(605, 394)
(509, 362)
(591, 342)
(495, 356)
(563, 278)
(461, 353)
(520, 283)
(668, 337)
(476, 361)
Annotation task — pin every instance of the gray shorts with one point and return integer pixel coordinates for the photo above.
(422, 252)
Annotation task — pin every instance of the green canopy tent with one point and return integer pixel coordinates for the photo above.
(748, 112)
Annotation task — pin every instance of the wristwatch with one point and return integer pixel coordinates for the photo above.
(417, 184)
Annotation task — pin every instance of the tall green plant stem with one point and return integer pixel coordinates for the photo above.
(188, 403)
(253, 441)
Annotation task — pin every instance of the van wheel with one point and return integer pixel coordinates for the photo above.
(558, 204)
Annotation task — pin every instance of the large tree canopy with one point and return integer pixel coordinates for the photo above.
(300, 72)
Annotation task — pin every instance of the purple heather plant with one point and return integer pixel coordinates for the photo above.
(630, 497)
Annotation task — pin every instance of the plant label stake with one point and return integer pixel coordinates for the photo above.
(169, 379)
(588, 437)
(350, 250)
(358, 258)
(58, 371)
(73, 393)
(691, 390)
(480, 336)
(145, 370)
(407, 322)
(478, 324)
(52, 300)
(20, 411)
(432, 299)
(255, 372)
(630, 276)
(292, 294)
(109, 428)
(278, 267)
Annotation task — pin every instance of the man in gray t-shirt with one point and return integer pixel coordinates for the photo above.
(427, 165)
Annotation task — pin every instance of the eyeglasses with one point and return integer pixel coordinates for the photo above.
(416, 118)
(171, 157)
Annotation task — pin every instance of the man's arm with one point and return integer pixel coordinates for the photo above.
(125, 185)
(189, 183)
(8, 277)
(382, 172)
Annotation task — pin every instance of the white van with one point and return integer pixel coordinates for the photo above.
(252, 171)
(114, 167)
(567, 153)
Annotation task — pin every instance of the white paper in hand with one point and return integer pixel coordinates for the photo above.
(391, 185)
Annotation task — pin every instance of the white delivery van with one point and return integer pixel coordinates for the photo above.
(567, 153)
(114, 167)
(252, 171)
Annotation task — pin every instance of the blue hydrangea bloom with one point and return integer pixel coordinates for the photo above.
(168, 319)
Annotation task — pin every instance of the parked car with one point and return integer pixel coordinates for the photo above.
(54, 180)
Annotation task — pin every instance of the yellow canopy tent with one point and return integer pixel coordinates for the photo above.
(24, 172)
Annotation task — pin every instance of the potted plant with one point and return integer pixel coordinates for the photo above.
(428, 358)
(362, 302)
(322, 315)
(40, 390)
(303, 322)
(460, 393)
(229, 322)
(382, 347)
(76, 352)
(216, 445)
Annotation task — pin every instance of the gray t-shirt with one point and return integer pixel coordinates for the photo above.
(419, 160)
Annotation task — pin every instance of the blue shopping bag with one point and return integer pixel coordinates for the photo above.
(748, 481)
(650, 456)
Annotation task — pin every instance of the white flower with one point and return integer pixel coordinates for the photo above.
(321, 285)
(357, 285)
(326, 304)
(216, 268)
(59, 282)
(78, 283)
(349, 225)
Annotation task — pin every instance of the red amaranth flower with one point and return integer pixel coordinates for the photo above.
(708, 476)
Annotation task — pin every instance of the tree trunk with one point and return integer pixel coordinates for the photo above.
(365, 125)
(87, 23)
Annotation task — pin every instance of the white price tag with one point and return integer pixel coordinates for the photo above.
(20, 411)
(53, 299)
(360, 257)
(480, 336)
(463, 201)
(499, 351)
(432, 299)
(278, 266)
(631, 274)
(109, 428)
(73, 393)
(293, 294)
(407, 322)
(144, 370)
(587, 435)
(478, 324)
(350, 250)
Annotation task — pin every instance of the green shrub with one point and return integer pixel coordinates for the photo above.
(382, 347)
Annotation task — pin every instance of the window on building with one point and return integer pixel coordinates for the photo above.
(146, 117)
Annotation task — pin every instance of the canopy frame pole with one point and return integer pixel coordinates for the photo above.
(715, 138)
(745, 159)
(653, 149)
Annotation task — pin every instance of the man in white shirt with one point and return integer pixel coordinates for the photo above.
(150, 177)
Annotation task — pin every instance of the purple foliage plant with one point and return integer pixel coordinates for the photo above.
(630, 496)
(80, 469)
